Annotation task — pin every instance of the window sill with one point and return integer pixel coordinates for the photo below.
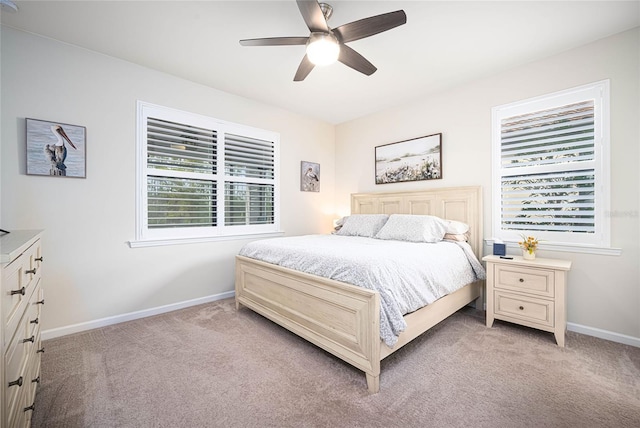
(567, 248)
(140, 243)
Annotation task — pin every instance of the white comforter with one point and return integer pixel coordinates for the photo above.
(407, 275)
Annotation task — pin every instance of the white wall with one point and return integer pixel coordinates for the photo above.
(91, 273)
(604, 291)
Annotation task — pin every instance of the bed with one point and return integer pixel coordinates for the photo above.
(344, 319)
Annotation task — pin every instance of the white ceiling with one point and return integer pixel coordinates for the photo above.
(444, 43)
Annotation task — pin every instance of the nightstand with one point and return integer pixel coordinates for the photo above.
(532, 293)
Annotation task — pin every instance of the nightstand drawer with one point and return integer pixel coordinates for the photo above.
(523, 308)
(525, 280)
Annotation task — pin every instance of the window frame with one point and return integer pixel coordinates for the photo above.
(146, 236)
(601, 239)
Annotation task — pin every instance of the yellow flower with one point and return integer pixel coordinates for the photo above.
(528, 243)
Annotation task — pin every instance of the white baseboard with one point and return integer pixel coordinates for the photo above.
(103, 322)
(604, 334)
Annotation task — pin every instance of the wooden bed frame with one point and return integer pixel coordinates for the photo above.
(344, 319)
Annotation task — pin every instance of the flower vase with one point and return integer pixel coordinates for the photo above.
(528, 255)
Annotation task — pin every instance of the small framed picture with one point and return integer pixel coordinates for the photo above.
(309, 176)
(410, 160)
(56, 149)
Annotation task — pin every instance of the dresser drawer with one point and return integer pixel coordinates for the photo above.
(18, 282)
(523, 308)
(33, 377)
(526, 280)
(18, 418)
(16, 378)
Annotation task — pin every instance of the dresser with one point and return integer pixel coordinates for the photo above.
(22, 300)
(532, 293)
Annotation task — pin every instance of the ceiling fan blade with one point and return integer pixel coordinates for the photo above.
(304, 69)
(275, 41)
(313, 16)
(369, 26)
(353, 59)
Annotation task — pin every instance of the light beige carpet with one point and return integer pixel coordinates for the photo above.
(213, 366)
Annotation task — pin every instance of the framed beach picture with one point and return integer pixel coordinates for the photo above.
(409, 160)
(56, 149)
(309, 176)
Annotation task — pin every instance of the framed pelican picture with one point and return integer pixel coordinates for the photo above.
(309, 176)
(56, 149)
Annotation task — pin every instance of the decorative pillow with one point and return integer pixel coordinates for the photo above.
(457, 227)
(462, 237)
(363, 225)
(413, 228)
(337, 224)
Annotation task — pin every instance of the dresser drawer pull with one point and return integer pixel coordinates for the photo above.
(39, 259)
(521, 308)
(16, 382)
(36, 380)
(35, 321)
(40, 302)
(41, 350)
(32, 339)
(33, 271)
(21, 291)
(31, 407)
(521, 279)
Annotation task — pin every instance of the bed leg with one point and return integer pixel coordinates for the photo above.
(373, 383)
(479, 303)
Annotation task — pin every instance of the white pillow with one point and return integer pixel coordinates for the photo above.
(363, 225)
(457, 227)
(413, 228)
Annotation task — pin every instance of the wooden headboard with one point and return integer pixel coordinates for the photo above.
(455, 203)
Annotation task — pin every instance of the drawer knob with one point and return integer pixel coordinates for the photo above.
(33, 271)
(21, 291)
(31, 407)
(521, 308)
(521, 279)
(16, 382)
(41, 350)
(39, 259)
(36, 380)
(40, 302)
(35, 321)
(31, 339)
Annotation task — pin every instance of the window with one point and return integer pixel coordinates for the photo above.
(200, 178)
(551, 167)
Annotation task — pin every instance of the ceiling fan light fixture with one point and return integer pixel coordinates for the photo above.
(325, 45)
(323, 48)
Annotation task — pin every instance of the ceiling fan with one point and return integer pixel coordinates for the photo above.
(326, 45)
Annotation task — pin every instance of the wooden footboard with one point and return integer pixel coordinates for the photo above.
(340, 318)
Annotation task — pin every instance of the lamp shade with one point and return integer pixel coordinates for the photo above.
(323, 48)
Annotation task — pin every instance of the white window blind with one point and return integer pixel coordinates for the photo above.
(201, 177)
(187, 199)
(551, 167)
(249, 190)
